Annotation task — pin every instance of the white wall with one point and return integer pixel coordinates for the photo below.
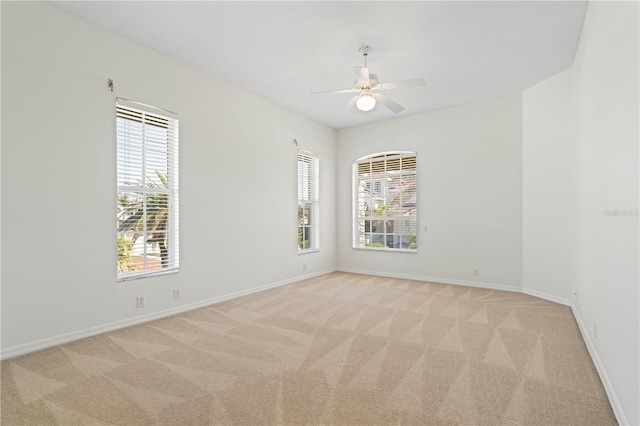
(582, 128)
(550, 190)
(606, 98)
(469, 193)
(238, 181)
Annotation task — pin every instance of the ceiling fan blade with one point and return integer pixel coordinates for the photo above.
(350, 105)
(362, 74)
(416, 82)
(392, 105)
(330, 92)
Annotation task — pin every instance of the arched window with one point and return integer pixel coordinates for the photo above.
(384, 202)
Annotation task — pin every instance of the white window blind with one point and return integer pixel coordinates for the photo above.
(147, 182)
(308, 201)
(385, 202)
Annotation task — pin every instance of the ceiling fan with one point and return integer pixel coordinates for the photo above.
(367, 86)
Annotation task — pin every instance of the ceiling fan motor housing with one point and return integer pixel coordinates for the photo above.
(372, 84)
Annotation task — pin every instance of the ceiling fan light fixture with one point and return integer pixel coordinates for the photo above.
(366, 102)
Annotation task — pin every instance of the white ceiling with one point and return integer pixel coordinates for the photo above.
(282, 51)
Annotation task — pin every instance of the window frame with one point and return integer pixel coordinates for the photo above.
(311, 196)
(140, 147)
(375, 175)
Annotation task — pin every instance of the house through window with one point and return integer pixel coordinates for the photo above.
(308, 201)
(147, 181)
(384, 202)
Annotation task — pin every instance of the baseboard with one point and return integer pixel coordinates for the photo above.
(60, 339)
(490, 286)
(548, 297)
(602, 372)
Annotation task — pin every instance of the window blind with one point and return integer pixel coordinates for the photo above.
(385, 201)
(147, 190)
(308, 201)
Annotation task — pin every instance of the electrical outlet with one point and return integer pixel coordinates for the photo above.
(140, 302)
(595, 330)
(476, 272)
(304, 266)
(176, 293)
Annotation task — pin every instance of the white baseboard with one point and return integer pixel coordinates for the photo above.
(60, 339)
(489, 286)
(602, 372)
(548, 297)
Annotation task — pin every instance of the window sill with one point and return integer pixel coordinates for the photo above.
(407, 251)
(140, 275)
(308, 251)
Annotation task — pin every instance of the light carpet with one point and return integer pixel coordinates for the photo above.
(341, 349)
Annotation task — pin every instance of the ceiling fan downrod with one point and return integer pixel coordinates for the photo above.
(365, 52)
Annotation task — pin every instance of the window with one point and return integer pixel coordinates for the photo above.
(384, 202)
(147, 181)
(375, 187)
(308, 198)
